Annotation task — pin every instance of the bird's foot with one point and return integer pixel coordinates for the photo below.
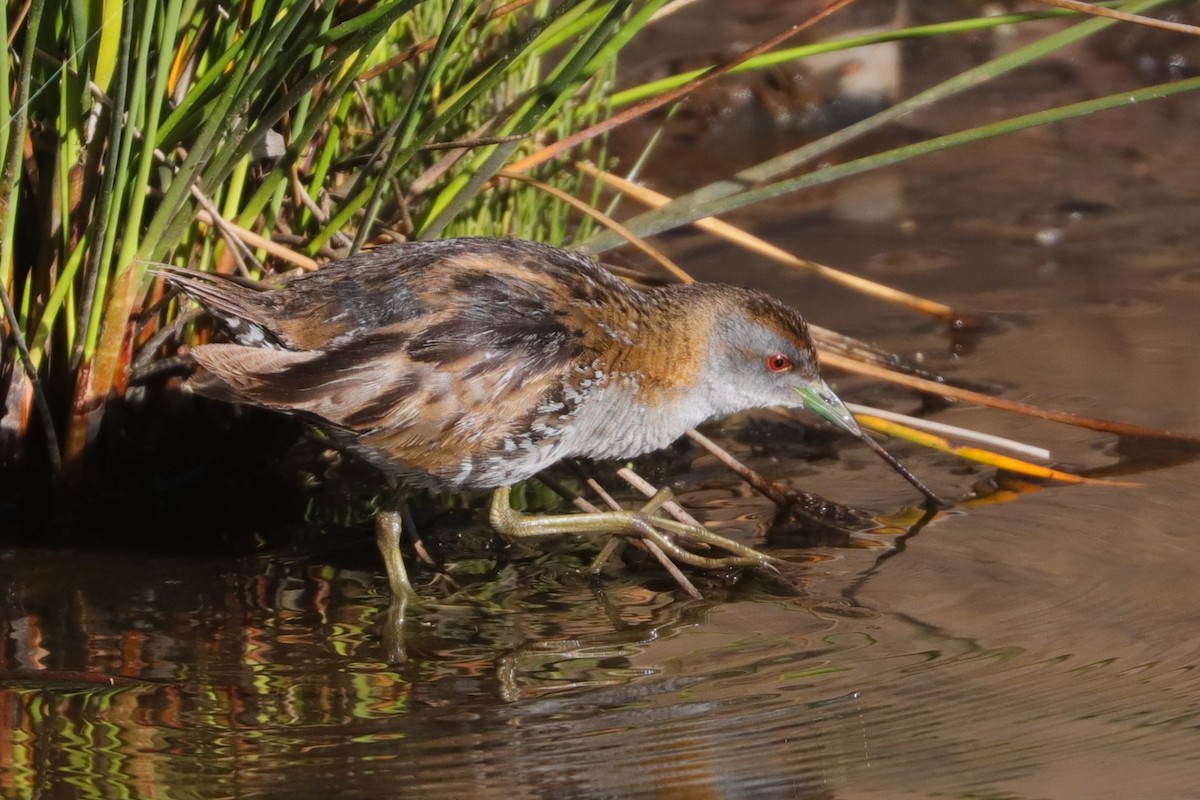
(682, 542)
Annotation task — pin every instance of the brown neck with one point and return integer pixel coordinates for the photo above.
(668, 341)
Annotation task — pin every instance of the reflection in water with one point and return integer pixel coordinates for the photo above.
(262, 674)
(228, 684)
(931, 670)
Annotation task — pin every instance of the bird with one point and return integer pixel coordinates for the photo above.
(476, 363)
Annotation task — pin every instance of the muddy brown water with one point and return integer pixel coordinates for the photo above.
(1032, 643)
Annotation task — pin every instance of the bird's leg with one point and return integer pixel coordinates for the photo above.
(389, 524)
(645, 523)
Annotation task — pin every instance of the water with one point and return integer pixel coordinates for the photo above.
(1034, 642)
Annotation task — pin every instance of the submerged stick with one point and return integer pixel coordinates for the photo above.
(905, 473)
(813, 511)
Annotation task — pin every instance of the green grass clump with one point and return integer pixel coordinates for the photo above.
(139, 132)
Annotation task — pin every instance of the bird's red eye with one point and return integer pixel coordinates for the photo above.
(778, 362)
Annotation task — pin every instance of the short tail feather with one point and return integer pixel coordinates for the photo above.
(232, 301)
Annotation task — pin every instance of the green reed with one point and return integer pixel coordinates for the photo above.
(134, 130)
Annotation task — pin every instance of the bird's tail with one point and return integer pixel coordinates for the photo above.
(236, 302)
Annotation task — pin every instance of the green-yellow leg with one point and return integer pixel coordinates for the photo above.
(389, 524)
(645, 523)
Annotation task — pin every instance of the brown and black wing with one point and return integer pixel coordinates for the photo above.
(428, 368)
(385, 286)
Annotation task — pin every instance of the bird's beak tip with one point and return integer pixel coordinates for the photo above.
(820, 399)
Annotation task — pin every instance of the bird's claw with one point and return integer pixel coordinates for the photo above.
(681, 541)
(673, 535)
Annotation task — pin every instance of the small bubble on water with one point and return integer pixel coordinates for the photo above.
(1049, 237)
